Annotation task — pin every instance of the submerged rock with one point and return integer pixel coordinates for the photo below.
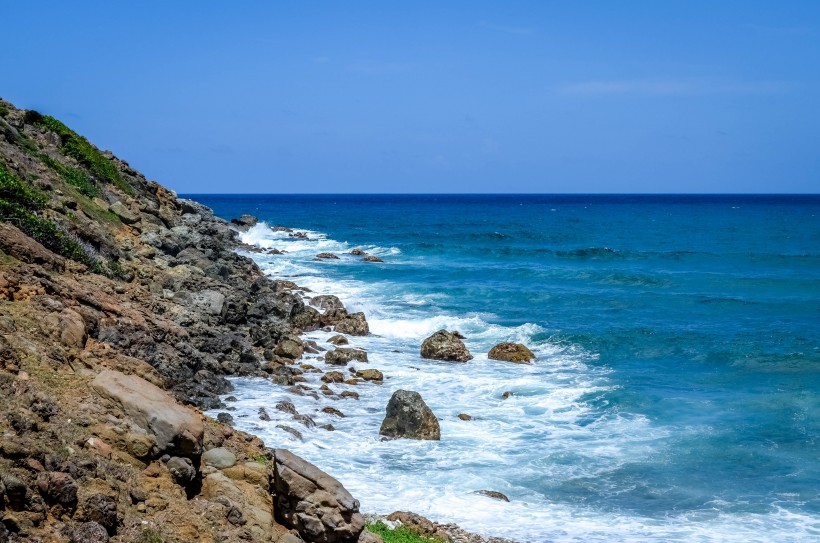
(493, 494)
(444, 345)
(511, 352)
(408, 416)
(371, 258)
(326, 256)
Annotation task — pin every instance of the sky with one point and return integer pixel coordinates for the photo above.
(407, 97)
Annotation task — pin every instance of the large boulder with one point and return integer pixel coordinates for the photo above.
(444, 345)
(177, 429)
(511, 352)
(314, 503)
(353, 324)
(327, 301)
(408, 416)
(342, 355)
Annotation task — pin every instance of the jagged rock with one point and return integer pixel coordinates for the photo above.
(333, 377)
(225, 418)
(342, 356)
(444, 345)
(418, 524)
(326, 256)
(408, 416)
(58, 488)
(358, 252)
(493, 494)
(102, 509)
(289, 347)
(371, 258)
(175, 428)
(353, 324)
(263, 414)
(182, 469)
(219, 458)
(246, 221)
(286, 407)
(292, 431)
(327, 301)
(370, 375)
(332, 411)
(511, 352)
(314, 503)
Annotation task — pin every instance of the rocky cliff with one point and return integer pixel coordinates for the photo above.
(122, 309)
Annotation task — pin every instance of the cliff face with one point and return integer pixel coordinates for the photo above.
(120, 302)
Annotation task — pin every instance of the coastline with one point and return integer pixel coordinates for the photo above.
(123, 310)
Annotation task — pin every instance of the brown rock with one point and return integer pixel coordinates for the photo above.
(444, 345)
(511, 352)
(371, 375)
(343, 355)
(314, 503)
(176, 428)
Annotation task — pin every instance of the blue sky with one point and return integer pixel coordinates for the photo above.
(277, 97)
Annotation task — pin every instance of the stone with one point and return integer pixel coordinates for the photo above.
(219, 457)
(338, 339)
(72, 328)
(286, 407)
(369, 537)
(464, 416)
(263, 414)
(358, 252)
(254, 505)
(371, 258)
(370, 375)
(353, 324)
(102, 509)
(326, 256)
(333, 377)
(175, 428)
(58, 488)
(246, 221)
(225, 418)
(182, 469)
(289, 347)
(314, 503)
(121, 210)
(444, 345)
(409, 417)
(327, 301)
(349, 394)
(493, 494)
(332, 411)
(341, 356)
(511, 352)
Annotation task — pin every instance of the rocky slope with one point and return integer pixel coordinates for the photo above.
(122, 308)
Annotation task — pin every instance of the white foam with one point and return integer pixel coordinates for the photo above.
(511, 442)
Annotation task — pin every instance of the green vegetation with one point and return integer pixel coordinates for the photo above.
(261, 459)
(401, 534)
(73, 177)
(19, 204)
(149, 535)
(3, 110)
(78, 147)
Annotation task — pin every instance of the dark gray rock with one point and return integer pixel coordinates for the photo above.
(182, 469)
(409, 417)
(342, 356)
(89, 532)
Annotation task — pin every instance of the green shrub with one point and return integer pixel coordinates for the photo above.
(73, 176)
(401, 534)
(4, 110)
(86, 154)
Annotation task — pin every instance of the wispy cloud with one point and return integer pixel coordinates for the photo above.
(521, 31)
(674, 87)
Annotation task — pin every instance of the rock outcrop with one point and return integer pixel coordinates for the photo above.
(511, 352)
(444, 345)
(408, 416)
(175, 428)
(314, 503)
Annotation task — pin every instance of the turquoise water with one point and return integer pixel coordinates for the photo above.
(676, 395)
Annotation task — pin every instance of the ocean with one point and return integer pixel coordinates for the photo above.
(676, 393)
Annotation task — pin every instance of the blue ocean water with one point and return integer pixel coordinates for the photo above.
(676, 395)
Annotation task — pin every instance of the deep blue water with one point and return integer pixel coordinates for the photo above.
(685, 331)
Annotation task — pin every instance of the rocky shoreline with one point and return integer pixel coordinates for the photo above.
(122, 310)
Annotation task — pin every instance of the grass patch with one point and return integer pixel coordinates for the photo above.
(79, 148)
(401, 534)
(73, 176)
(4, 110)
(261, 459)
